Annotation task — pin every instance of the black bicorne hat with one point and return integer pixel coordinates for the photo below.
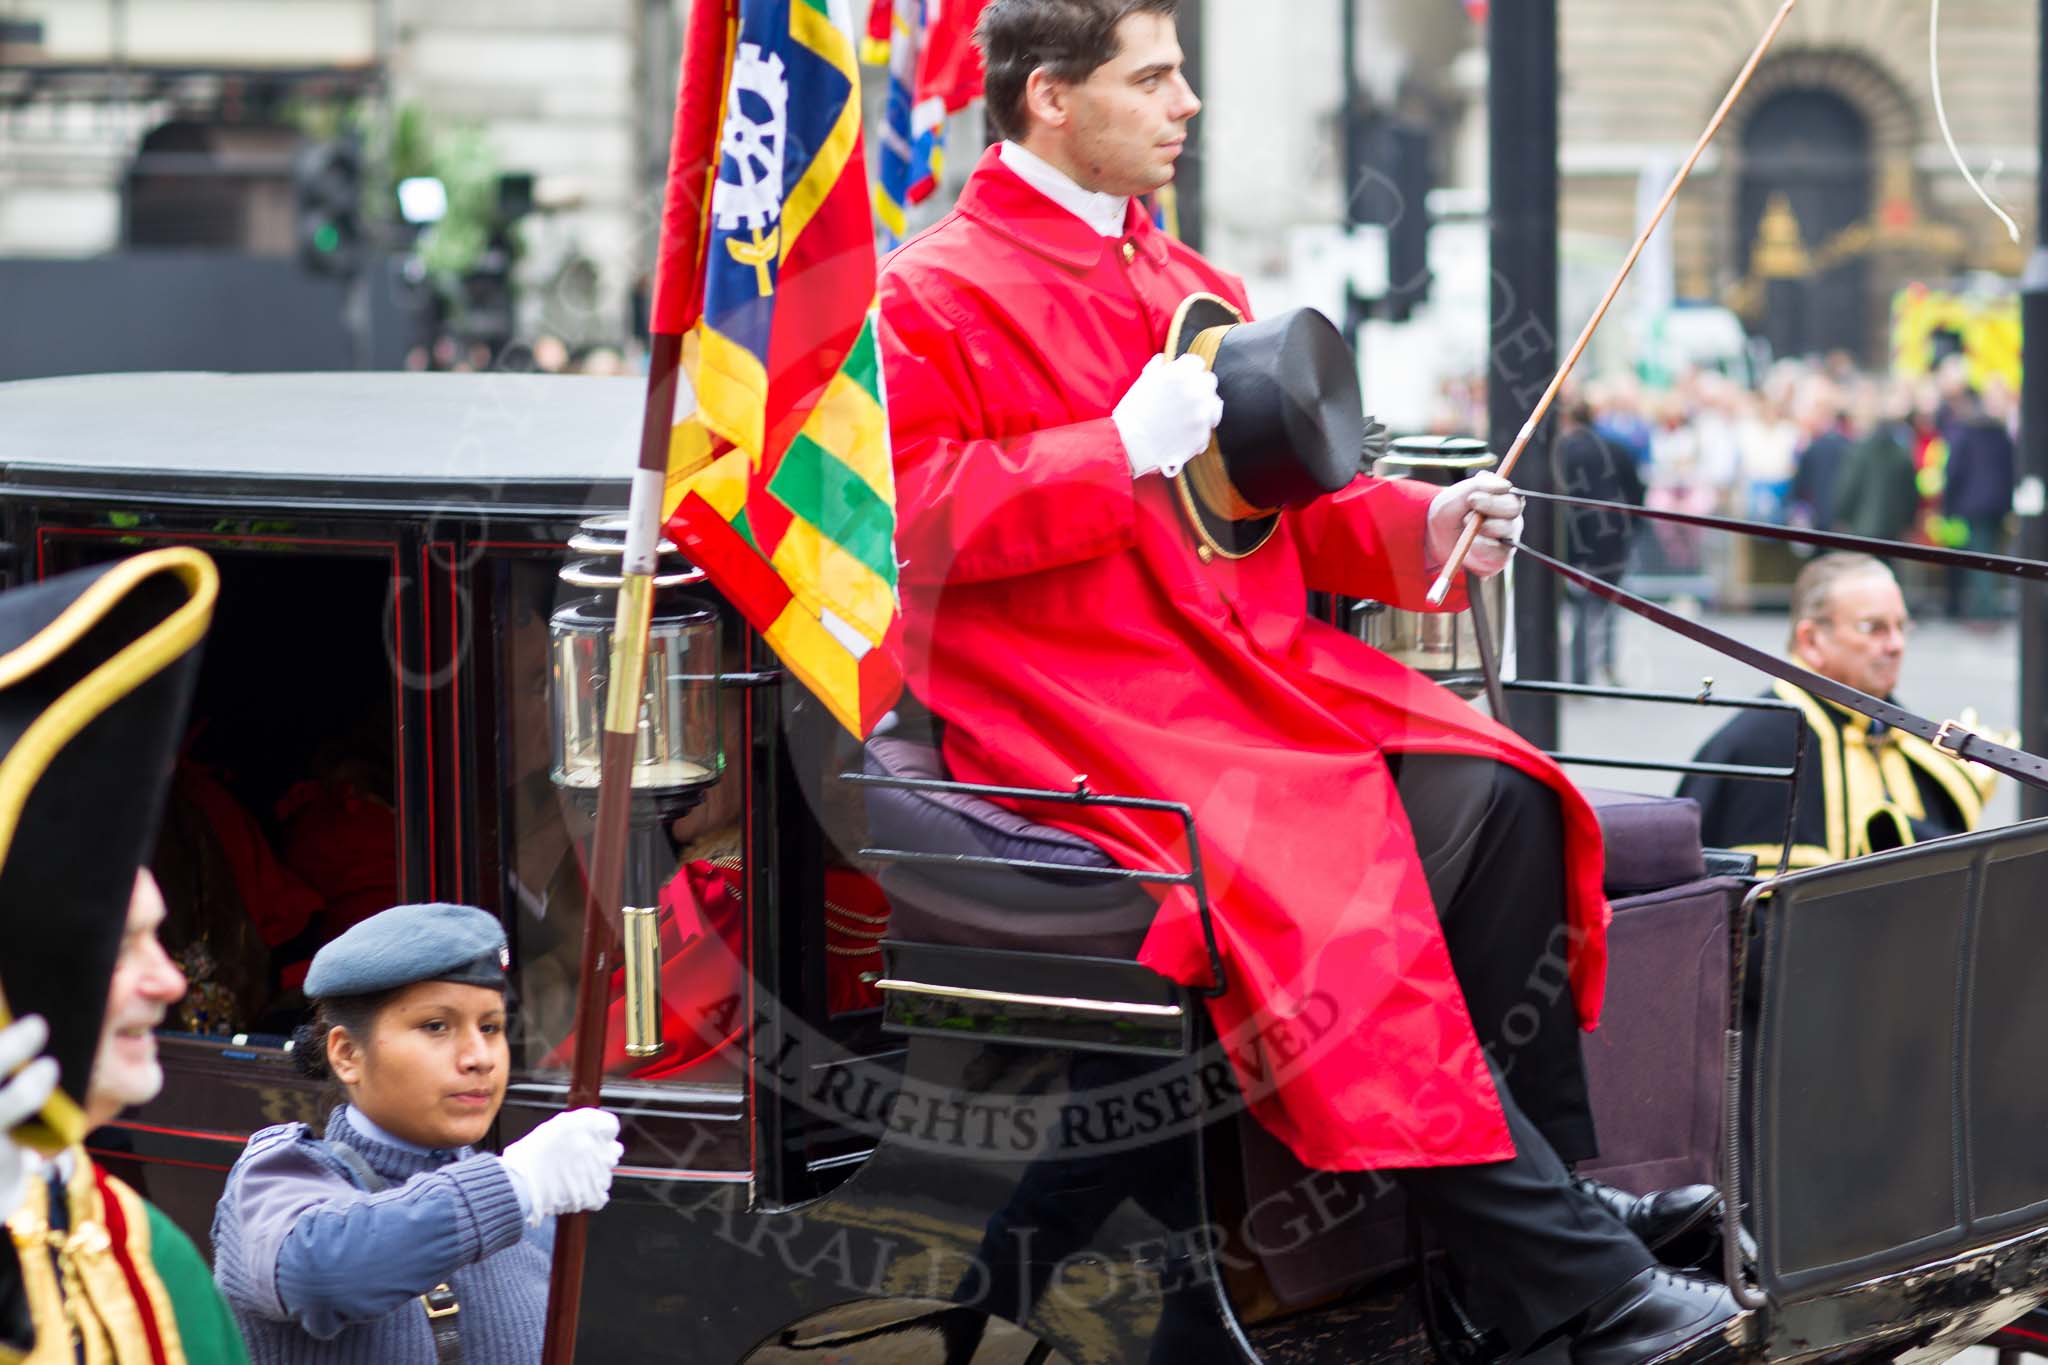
(96, 675)
(1293, 426)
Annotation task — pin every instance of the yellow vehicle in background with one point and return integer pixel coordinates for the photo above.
(1982, 326)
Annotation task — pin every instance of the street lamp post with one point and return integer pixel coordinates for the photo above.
(2033, 540)
(1522, 118)
(1190, 180)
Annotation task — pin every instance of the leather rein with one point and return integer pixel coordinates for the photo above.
(1948, 736)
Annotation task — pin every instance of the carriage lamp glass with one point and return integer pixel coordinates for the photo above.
(1441, 645)
(676, 750)
(677, 745)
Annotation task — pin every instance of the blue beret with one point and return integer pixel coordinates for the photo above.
(408, 944)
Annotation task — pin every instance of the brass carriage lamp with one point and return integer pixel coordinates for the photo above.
(677, 754)
(1442, 645)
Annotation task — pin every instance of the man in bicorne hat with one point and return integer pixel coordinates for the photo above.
(1370, 841)
(96, 672)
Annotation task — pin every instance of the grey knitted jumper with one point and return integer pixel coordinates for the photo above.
(321, 1272)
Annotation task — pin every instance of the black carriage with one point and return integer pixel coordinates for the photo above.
(914, 1099)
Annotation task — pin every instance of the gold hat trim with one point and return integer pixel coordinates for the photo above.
(1205, 477)
(61, 1122)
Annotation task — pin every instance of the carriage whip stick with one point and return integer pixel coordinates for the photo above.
(1442, 587)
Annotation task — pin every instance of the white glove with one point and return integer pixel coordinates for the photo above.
(1500, 526)
(22, 1094)
(1167, 415)
(565, 1165)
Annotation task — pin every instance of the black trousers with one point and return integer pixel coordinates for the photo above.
(1535, 1251)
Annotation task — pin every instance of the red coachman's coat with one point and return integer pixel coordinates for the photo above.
(1059, 617)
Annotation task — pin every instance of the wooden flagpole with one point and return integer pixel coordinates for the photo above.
(678, 289)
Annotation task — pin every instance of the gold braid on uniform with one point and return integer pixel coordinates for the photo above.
(77, 1281)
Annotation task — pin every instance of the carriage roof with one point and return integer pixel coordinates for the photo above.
(544, 443)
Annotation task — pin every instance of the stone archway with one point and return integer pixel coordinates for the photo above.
(1801, 109)
(1807, 178)
(1852, 76)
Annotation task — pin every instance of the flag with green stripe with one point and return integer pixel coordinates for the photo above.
(780, 486)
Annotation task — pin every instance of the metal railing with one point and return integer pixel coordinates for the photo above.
(1080, 795)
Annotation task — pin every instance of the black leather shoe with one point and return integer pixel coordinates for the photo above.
(1658, 1313)
(1681, 1227)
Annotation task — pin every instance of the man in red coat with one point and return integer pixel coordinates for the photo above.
(1404, 890)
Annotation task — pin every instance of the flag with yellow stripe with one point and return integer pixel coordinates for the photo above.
(780, 485)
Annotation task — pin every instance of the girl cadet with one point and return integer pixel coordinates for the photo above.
(390, 1240)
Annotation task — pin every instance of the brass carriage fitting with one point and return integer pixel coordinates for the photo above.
(643, 981)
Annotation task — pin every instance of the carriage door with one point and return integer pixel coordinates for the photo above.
(1806, 185)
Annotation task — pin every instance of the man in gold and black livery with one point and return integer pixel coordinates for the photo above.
(1864, 787)
(96, 674)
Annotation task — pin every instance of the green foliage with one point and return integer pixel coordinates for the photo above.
(413, 143)
(463, 161)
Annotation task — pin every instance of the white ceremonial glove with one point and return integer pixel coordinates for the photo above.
(565, 1165)
(1500, 527)
(26, 1086)
(1167, 415)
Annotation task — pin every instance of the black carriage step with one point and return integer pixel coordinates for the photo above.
(1032, 999)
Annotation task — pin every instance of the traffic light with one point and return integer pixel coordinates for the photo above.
(1390, 179)
(487, 293)
(327, 189)
(488, 308)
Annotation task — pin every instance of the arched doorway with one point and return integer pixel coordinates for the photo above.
(1807, 174)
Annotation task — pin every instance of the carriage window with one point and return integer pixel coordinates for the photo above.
(282, 827)
(543, 836)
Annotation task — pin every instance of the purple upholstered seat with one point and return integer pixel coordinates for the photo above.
(1652, 841)
(956, 822)
(992, 907)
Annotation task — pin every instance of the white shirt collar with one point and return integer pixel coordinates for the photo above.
(38, 1167)
(1105, 214)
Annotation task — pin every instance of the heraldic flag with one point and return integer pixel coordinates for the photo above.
(913, 153)
(779, 483)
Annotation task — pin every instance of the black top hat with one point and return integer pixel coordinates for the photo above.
(96, 674)
(1293, 424)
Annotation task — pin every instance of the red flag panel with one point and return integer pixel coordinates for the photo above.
(692, 167)
(949, 68)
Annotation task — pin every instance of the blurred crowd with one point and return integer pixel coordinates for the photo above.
(1817, 444)
(545, 354)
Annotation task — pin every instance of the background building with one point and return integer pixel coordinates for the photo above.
(153, 125)
(1831, 187)
(157, 140)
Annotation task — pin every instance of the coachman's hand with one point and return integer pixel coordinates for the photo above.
(1168, 414)
(1500, 526)
(25, 1086)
